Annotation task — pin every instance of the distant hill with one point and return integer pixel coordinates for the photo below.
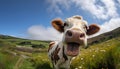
(7, 37)
(105, 36)
(22, 42)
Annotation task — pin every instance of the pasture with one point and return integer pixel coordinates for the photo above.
(104, 55)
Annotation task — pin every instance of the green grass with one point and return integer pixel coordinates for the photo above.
(27, 64)
(7, 61)
(99, 56)
(104, 55)
(10, 61)
(41, 60)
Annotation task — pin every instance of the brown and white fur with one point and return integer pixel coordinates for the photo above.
(75, 31)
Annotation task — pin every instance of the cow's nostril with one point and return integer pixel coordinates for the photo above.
(69, 33)
(82, 35)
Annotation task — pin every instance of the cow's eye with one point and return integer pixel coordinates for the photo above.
(65, 24)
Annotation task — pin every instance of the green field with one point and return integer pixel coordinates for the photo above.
(33, 55)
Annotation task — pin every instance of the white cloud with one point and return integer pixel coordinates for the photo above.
(111, 8)
(54, 6)
(118, 1)
(39, 32)
(106, 10)
(57, 5)
(108, 26)
(89, 5)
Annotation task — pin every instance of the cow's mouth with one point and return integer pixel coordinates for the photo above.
(72, 49)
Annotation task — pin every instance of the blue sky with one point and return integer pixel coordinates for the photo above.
(16, 16)
(31, 18)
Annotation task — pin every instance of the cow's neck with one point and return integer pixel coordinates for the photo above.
(65, 56)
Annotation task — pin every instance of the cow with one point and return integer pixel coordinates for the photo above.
(75, 31)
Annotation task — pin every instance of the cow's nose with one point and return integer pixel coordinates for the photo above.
(69, 33)
(82, 35)
(74, 35)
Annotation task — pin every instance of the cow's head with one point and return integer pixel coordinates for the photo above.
(75, 31)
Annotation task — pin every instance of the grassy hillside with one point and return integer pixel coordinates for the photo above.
(105, 36)
(24, 42)
(104, 55)
(18, 53)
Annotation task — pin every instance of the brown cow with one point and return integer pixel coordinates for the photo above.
(75, 31)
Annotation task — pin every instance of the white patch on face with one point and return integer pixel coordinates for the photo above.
(76, 23)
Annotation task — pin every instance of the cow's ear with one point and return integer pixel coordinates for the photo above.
(93, 28)
(58, 25)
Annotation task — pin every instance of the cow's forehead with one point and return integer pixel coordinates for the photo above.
(76, 19)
